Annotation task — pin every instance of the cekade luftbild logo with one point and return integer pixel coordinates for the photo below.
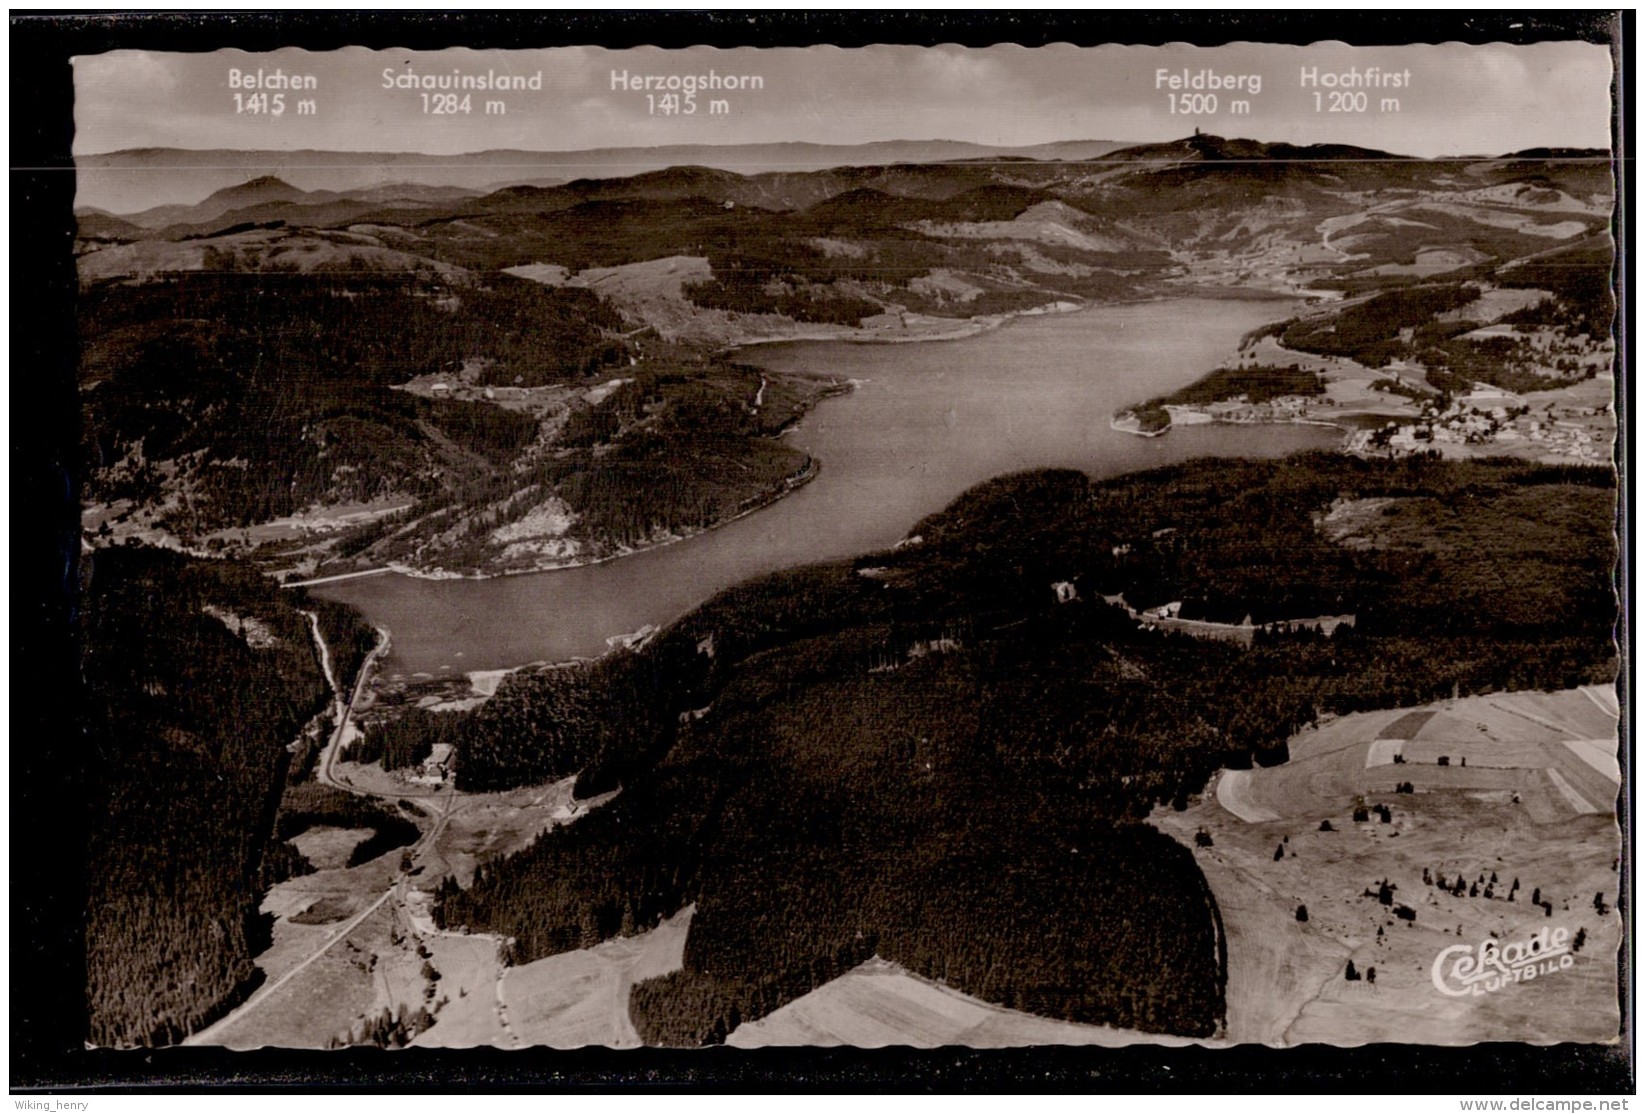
(1462, 970)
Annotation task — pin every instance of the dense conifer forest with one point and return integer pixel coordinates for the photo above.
(273, 389)
(406, 739)
(197, 675)
(944, 754)
(925, 755)
(311, 805)
(347, 636)
(1416, 324)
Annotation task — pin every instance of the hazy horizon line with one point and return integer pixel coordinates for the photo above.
(1121, 144)
(622, 147)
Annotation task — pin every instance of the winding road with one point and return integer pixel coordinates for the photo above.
(345, 708)
(323, 772)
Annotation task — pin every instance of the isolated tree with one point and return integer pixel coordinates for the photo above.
(1302, 914)
(1279, 851)
(1371, 975)
(1202, 838)
(1325, 826)
(1352, 973)
(1580, 939)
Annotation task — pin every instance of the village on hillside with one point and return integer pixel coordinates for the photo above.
(1394, 410)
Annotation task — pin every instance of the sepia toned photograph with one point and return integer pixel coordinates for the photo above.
(882, 546)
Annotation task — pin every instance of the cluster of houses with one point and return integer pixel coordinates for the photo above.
(1465, 424)
(436, 768)
(1168, 616)
(1281, 409)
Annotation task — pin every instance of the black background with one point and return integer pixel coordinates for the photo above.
(47, 850)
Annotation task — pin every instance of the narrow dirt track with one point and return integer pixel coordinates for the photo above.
(324, 775)
(323, 771)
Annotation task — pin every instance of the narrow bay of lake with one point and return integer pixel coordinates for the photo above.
(928, 421)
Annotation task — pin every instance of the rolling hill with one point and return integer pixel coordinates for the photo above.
(943, 755)
(130, 180)
(710, 253)
(937, 756)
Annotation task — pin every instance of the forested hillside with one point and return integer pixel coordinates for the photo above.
(240, 354)
(925, 755)
(219, 401)
(941, 754)
(197, 674)
(267, 392)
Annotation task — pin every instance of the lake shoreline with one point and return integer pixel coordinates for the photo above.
(966, 330)
(1120, 420)
(791, 485)
(927, 424)
(972, 327)
(963, 329)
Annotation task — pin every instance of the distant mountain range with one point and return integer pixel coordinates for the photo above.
(266, 199)
(1174, 188)
(131, 181)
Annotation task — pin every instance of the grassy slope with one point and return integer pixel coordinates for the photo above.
(938, 763)
(188, 722)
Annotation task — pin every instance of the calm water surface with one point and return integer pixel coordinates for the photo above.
(931, 420)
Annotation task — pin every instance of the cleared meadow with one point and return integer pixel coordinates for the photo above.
(580, 997)
(879, 1004)
(1533, 804)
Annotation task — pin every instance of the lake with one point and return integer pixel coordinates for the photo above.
(928, 421)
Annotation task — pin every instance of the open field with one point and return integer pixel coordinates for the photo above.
(652, 292)
(349, 943)
(580, 998)
(879, 1004)
(326, 997)
(1534, 803)
(329, 848)
(469, 970)
(491, 825)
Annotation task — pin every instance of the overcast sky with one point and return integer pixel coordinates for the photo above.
(1460, 99)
